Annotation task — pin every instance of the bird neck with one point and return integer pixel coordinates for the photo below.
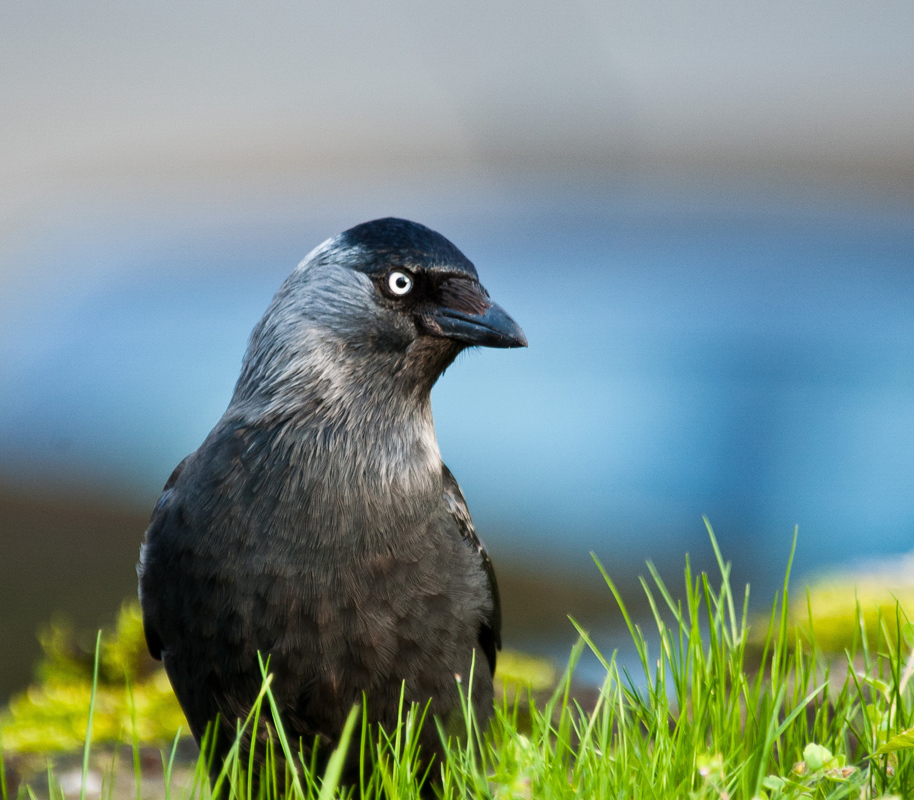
(358, 474)
(341, 423)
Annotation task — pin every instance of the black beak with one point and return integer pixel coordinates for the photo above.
(466, 315)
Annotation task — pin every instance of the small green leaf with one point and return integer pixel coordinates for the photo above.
(816, 756)
(903, 741)
(774, 783)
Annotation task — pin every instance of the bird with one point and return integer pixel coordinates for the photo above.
(316, 527)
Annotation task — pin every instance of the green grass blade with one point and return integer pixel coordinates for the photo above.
(287, 751)
(3, 790)
(337, 760)
(87, 747)
(134, 737)
(169, 765)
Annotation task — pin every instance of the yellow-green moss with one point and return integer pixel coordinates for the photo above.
(835, 602)
(520, 670)
(52, 715)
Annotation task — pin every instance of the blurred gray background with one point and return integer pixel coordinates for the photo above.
(701, 213)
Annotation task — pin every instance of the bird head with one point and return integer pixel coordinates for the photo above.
(422, 277)
(387, 299)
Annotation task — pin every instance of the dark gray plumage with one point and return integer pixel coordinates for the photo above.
(316, 523)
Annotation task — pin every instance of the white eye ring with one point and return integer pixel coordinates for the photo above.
(399, 283)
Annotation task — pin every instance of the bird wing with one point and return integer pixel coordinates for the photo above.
(490, 630)
(159, 517)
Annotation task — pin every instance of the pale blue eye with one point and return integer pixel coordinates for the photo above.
(399, 283)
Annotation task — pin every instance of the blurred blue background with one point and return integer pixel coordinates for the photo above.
(701, 214)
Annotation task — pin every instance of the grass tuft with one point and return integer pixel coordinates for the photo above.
(723, 704)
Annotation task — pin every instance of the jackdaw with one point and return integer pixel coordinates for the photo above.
(317, 525)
